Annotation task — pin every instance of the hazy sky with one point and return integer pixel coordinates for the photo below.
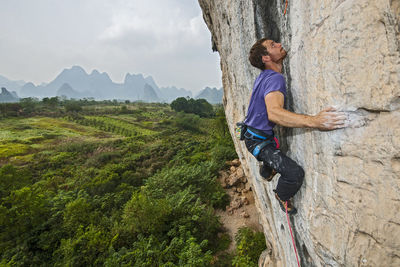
(166, 39)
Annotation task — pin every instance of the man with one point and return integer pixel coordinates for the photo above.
(266, 109)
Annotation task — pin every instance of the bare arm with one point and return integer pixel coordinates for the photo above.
(327, 119)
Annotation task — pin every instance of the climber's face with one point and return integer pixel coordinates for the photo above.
(275, 50)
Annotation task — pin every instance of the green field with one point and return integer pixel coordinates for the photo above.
(22, 137)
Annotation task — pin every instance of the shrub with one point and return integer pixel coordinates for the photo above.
(188, 122)
(12, 178)
(28, 104)
(73, 106)
(146, 215)
(102, 158)
(249, 246)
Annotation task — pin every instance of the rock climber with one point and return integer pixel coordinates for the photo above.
(266, 109)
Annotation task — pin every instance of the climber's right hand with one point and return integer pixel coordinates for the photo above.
(329, 119)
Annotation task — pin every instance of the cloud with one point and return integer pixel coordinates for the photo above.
(159, 26)
(166, 39)
(163, 38)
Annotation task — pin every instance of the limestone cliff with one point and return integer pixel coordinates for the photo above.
(343, 53)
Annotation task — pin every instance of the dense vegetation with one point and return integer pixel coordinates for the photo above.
(196, 106)
(113, 184)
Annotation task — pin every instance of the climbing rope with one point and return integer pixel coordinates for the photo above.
(290, 228)
(284, 13)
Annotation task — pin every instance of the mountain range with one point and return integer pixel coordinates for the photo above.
(212, 95)
(77, 83)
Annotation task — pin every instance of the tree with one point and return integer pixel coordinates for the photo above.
(146, 215)
(204, 109)
(73, 106)
(197, 106)
(180, 104)
(28, 104)
(51, 102)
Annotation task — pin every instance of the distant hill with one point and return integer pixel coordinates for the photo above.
(212, 95)
(69, 92)
(134, 86)
(77, 83)
(13, 93)
(149, 95)
(6, 96)
(11, 85)
(171, 93)
(98, 85)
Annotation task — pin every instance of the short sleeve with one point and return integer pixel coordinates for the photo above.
(275, 83)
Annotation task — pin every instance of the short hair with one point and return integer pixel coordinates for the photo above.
(256, 53)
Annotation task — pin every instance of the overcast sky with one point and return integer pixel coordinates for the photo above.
(166, 39)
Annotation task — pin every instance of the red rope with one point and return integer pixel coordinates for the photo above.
(284, 13)
(294, 246)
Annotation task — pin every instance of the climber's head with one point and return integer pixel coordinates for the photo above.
(265, 52)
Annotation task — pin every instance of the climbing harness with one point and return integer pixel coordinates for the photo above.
(261, 145)
(291, 234)
(254, 134)
(284, 13)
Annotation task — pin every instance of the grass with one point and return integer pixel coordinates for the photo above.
(19, 137)
(12, 149)
(36, 128)
(134, 128)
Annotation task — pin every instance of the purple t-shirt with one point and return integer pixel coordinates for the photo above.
(267, 82)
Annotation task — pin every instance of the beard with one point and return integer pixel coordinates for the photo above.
(284, 53)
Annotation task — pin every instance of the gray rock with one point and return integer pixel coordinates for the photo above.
(341, 53)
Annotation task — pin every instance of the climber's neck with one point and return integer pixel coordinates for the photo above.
(275, 66)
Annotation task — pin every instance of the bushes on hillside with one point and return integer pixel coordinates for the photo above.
(249, 246)
(187, 122)
(197, 106)
(10, 109)
(73, 106)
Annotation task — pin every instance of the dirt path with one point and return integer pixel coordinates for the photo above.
(242, 210)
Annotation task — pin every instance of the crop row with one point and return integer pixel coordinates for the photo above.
(110, 125)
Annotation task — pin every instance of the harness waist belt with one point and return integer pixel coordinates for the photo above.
(256, 135)
(259, 134)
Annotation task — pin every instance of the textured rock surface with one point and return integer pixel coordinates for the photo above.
(342, 53)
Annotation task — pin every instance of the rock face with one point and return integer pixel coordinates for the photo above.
(343, 53)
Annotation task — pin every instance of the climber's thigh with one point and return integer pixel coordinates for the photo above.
(279, 161)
